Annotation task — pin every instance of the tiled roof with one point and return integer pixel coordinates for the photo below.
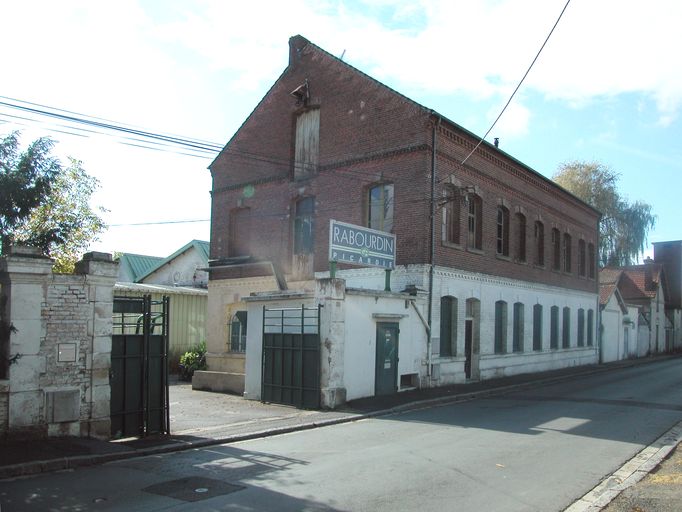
(608, 282)
(640, 281)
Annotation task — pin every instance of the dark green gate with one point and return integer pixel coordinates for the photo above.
(291, 357)
(139, 367)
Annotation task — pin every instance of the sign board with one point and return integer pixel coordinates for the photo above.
(357, 245)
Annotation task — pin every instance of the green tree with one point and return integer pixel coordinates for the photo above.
(624, 226)
(60, 219)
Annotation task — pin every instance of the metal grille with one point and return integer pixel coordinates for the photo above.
(139, 367)
(291, 356)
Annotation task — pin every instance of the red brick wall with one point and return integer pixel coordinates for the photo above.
(369, 133)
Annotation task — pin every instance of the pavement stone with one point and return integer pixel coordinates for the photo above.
(202, 418)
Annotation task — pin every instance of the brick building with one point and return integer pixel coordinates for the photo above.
(504, 257)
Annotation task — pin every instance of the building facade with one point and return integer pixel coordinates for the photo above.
(505, 257)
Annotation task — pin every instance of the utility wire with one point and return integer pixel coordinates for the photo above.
(519, 84)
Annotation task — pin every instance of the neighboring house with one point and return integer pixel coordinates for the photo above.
(620, 322)
(182, 277)
(498, 261)
(669, 254)
(644, 286)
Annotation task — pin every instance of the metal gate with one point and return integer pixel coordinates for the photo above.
(139, 367)
(291, 357)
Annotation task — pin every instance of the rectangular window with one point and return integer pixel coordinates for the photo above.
(566, 331)
(500, 327)
(448, 326)
(554, 327)
(303, 226)
(590, 327)
(581, 327)
(307, 150)
(380, 207)
(537, 327)
(517, 340)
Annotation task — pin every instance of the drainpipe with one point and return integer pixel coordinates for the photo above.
(432, 249)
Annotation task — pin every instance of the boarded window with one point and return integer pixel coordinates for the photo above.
(554, 327)
(517, 339)
(448, 326)
(500, 327)
(537, 327)
(307, 150)
(303, 226)
(380, 207)
(566, 331)
(590, 327)
(581, 327)
(240, 232)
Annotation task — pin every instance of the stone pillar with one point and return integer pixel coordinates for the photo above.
(100, 276)
(24, 275)
(331, 294)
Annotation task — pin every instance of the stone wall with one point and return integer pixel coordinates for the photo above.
(60, 383)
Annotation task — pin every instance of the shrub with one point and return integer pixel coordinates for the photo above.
(192, 360)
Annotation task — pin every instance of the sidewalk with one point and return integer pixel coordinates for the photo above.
(200, 418)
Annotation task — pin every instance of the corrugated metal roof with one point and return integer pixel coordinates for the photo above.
(138, 265)
(201, 247)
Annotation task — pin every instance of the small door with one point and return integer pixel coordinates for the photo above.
(468, 338)
(386, 376)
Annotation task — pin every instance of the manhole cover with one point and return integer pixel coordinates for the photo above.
(193, 488)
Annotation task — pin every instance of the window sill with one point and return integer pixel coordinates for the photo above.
(503, 257)
(452, 245)
(473, 250)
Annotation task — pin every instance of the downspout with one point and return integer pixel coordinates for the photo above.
(432, 250)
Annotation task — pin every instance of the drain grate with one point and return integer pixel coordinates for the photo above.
(193, 488)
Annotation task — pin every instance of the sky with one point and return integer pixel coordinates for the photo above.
(607, 87)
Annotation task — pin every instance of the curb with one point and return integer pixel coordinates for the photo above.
(65, 463)
(629, 473)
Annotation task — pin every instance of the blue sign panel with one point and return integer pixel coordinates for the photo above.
(356, 245)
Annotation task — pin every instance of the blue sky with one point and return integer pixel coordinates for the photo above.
(606, 87)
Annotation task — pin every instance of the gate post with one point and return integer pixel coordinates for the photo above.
(331, 295)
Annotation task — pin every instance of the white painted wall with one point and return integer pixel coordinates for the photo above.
(182, 270)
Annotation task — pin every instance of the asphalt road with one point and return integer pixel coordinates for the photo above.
(536, 450)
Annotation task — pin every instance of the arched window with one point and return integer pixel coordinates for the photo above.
(474, 222)
(521, 237)
(303, 225)
(518, 334)
(556, 249)
(502, 231)
(582, 258)
(237, 327)
(537, 327)
(539, 243)
(380, 207)
(500, 327)
(567, 252)
(448, 326)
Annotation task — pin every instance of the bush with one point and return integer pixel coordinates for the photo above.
(192, 360)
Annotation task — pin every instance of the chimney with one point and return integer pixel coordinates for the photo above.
(497, 142)
(296, 44)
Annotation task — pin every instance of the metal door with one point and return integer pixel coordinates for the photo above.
(291, 357)
(386, 373)
(139, 367)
